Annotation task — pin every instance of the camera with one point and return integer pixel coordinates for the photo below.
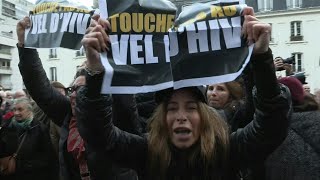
(290, 60)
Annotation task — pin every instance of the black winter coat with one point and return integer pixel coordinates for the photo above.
(36, 159)
(53, 103)
(248, 145)
(298, 157)
(58, 108)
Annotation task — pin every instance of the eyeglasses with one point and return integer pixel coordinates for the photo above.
(72, 89)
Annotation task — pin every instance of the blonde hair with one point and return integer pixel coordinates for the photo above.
(213, 142)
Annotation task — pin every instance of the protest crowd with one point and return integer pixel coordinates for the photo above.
(257, 127)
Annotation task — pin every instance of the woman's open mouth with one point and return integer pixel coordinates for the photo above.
(182, 133)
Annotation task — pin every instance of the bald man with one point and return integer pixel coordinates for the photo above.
(306, 88)
(19, 94)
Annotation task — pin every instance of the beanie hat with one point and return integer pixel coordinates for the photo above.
(295, 87)
(165, 95)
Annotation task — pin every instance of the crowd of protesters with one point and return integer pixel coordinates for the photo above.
(256, 127)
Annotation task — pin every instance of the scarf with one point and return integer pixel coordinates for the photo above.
(75, 146)
(75, 143)
(24, 124)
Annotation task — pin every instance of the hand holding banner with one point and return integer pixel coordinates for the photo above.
(205, 45)
(57, 24)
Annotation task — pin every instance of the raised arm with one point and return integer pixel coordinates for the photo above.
(94, 111)
(272, 103)
(35, 79)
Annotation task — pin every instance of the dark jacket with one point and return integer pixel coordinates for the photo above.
(53, 103)
(54, 130)
(239, 113)
(36, 158)
(247, 145)
(298, 157)
(58, 108)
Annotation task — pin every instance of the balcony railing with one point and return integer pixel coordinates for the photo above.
(296, 38)
(5, 51)
(12, 7)
(79, 53)
(52, 56)
(5, 70)
(265, 9)
(6, 86)
(294, 6)
(7, 34)
(10, 15)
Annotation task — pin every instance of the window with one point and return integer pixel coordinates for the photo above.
(297, 67)
(5, 49)
(265, 5)
(53, 74)
(296, 34)
(80, 53)
(294, 4)
(8, 12)
(271, 35)
(5, 65)
(8, 9)
(53, 53)
(8, 4)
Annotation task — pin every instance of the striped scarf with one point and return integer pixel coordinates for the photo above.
(75, 146)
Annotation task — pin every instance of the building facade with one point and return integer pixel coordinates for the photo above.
(295, 34)
(10, 12)
(295, 25)
(59, 64)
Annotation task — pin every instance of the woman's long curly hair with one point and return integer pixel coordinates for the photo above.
(213, 142)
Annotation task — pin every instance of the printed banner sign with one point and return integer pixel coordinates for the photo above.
(57, 23)
(139, 60)
(206, 45)
(151, 49)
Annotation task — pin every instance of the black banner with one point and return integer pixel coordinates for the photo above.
(205, 45)
(139, 60)
(57, 23)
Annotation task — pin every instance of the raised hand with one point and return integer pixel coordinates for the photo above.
(256, 31)
(95, 41)
(278, 63)
(22, 25)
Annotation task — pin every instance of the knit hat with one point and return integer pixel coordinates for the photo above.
(295, 87)
(165, 95)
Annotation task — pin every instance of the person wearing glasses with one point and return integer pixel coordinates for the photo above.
(187, 139)
(55, 105)
(76, 159)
